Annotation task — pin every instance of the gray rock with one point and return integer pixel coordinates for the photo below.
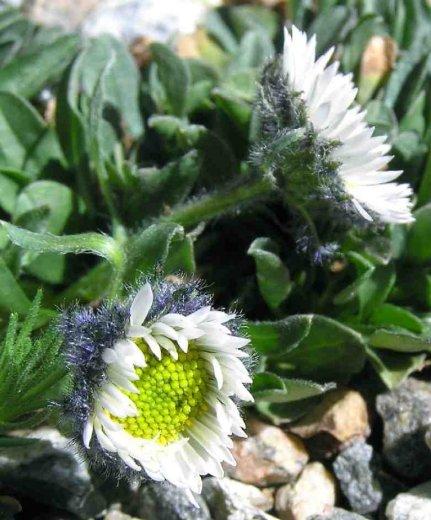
(65, 14)
(338, 514)
(51, 472)
(428, 438)
(354, 469)
(412, 505)
(228, 501)
(406, 414)
(115, 513)
(163, 500)
(130, 20)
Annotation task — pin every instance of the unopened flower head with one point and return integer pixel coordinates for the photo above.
(157, 384)
(326, 152)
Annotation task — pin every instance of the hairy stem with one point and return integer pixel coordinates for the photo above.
(220, 202)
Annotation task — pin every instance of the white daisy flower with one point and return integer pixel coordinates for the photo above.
(328, 96)
(167, 403)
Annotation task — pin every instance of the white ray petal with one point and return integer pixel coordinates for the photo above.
(168, 345)
(141, 305)
(88, 432)
(329, 97)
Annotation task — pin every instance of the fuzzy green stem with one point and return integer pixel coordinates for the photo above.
(119, 265)
(220, 202)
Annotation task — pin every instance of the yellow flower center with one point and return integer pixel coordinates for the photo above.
(171, 394)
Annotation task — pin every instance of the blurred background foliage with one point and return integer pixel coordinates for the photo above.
(99, 142)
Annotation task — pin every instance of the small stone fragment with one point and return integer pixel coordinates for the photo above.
(314, 493)
(342, 413)
(260, 499)
(60, 13)
(50, 471)
(338, 514)
(406, 415)
(164, 500)
(412, 505)
(428, 438)
(268, 456)
(230, 500)
(128, 20)
(354, 469)
(119, 515)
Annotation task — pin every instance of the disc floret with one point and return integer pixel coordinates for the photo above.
(170, 394)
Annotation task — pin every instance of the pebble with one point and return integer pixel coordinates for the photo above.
(50, 471)
(342, 414)
(406, 415)
(268, 456)
(412, 505)
(354, 470)
(338, 514)
(61, 13)
(313, 493)
(230, 500)
(129, 20)
(164, 500)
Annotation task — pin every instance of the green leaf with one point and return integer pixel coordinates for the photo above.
(27, 74)
(399, 341)
(424, 193)
(8, 193)
(330, 351)
(375, 289)
(181, 256)
(414, 119)
(390, 315)
(256, 18)
(174, 77)
(170, 185)
(272, 275)
(27, 144)
(149, 249)
(393, 368)
(328, 25)
(54, 200)
(241, 84)
(284, 413)
(31, 371)
(409, 145)
(351, 292)
(218, 161)
(254, 50)
(418, 244)
(12, 297)
(90, 287)
(238, 110)
(275, 338)
(274, 389)
(369, 25)
(218, 29)
(180, 130)
(96, 243)
(56, 197)
(382, 118)
(403, 68)
(104, 56)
